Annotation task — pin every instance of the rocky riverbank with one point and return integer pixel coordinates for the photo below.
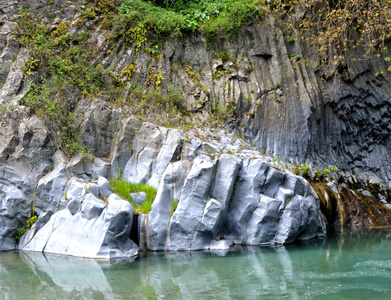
(218, 184)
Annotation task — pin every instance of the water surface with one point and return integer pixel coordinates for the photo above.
(347, 265)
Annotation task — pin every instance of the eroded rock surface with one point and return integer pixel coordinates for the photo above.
(87, 227)
(229, 199)
(206, 199)
(213, 189)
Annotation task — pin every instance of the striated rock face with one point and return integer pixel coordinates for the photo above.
(87, 227)
(284, 102)
(213, 190)
(229, 199)
(211, 194)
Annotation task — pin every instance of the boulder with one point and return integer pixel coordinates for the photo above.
(87, 227)
(146, 146)
(138, 198)
(272, 207)
(153, 227)
(188, 215)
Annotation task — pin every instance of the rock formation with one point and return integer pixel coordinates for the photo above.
(227, 191)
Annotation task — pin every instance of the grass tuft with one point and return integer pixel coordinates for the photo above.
(174, 205)
(124, 188)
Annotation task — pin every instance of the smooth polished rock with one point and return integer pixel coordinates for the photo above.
(96, 230)
(188, 215)
(153, 227)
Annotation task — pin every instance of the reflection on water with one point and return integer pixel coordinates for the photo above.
(348, 265)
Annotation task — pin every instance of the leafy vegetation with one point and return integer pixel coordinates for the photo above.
(173, 18)
(21, 231)
(60, 121)
(31, 221)
(338, 27)
(3, 109)
(124, 188)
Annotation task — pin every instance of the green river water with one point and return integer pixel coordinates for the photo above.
(346, 265)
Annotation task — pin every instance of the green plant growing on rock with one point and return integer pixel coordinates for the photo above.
(3, 109)
(124, 188)
(30, 66)
(176, 17)
(60, 121)
(174, 205)
(305, 170)
(318, 174)
(335, 28)
(31, 221)
(21, 231)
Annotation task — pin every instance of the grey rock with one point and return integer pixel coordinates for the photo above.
(121, 149)
(15, 208)
(81, 165)
(212, 217)
(262, 210)
(97, 230)
(333, 187)
(169, 152)
(366, 193)
(138, 198)
(75, 188)
(227, 170)
(153, 227)
(74, 206)
(245, 200)
(51, 187)
(100, 168)
(209, 149)
(263, 224)
(189, 149)
(104, 187)
(300, 219)
(188, 215)
(99, 126)
(91, 207)
(293, 216)
(146, 146)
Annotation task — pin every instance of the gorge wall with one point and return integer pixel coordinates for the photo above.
(287, 108)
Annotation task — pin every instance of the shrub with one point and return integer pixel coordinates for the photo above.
(172, 18)
(305, 170)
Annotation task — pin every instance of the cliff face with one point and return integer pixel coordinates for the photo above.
(283, 102)
(276, 97)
